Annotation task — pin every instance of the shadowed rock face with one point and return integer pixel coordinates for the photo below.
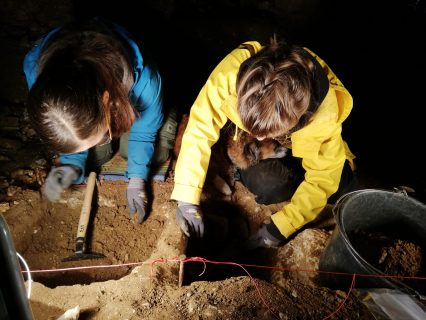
(193, 40)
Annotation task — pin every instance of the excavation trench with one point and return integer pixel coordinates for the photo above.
(227, 227)
(45, 234)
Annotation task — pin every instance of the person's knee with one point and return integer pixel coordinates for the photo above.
(98, 156)
(124, 145)
(272, 180)
(167, 133)
(165, 139)
(160, 156)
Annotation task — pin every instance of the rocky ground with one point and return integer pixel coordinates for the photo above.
(152, 271)
(44, 234)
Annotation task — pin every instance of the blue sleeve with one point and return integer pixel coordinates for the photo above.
(75, 159)
(30, 65)
(31, 58)
(147, 97)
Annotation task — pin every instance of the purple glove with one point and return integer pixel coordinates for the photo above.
(267, 236)
(136, 198)
(190, 219)
(59, 179)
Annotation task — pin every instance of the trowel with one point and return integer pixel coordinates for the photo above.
(80, 245)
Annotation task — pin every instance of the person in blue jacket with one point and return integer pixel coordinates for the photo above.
(89, 84)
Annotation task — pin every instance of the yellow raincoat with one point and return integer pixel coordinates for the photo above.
(319, 143)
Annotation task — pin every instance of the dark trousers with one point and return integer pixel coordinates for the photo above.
(98, 155)
(348, 182)
(276, 180)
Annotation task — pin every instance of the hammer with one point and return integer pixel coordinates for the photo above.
(80, 244)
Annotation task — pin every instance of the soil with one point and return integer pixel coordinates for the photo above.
(44, 233)
(393, 256)
(400, 257)
(112, 235)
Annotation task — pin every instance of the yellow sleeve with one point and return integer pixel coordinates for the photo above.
(206, 118)
(205, 122)
(323, 153)
(322, 179)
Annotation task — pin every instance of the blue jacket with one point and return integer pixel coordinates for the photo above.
(145, 95)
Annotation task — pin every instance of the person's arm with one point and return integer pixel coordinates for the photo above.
(323, 162)
(148, 99)
(322, 179)
(30, 65)
(323, 153)
(205, 121)
(146, 96)
(77, 160)
(202, 132)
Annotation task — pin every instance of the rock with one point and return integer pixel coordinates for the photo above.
(4, 206)
(9, 123)
(10, 144)
(12, 190)
(301, 253)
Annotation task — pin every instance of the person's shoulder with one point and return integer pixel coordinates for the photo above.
(240, 54)
(229, 66)
(256, 45)
(314, 55)
(247, 49)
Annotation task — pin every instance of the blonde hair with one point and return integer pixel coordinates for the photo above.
(274, 89)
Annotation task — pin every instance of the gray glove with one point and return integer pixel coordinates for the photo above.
(137, 200)
(267, 236)
(190, 219)
(59, 179)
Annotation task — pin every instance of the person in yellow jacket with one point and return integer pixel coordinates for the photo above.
(278, 91)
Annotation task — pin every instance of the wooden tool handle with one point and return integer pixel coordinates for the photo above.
(87, 205)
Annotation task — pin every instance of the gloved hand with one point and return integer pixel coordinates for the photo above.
(267, 236)
(137, 200)
(59, 179)
(190, 219)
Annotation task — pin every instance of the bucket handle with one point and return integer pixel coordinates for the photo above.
(404, 190)
(344, 197)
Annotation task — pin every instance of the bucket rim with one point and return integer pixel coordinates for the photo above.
(397, 191)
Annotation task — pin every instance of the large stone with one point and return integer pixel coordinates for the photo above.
(300, 257)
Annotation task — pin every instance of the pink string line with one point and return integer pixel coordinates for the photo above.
(242, 266)
(344, 301)
(176, 259)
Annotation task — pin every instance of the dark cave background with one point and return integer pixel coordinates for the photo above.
(376, 48)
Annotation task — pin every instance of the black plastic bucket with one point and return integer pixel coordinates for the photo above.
(369, 210)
